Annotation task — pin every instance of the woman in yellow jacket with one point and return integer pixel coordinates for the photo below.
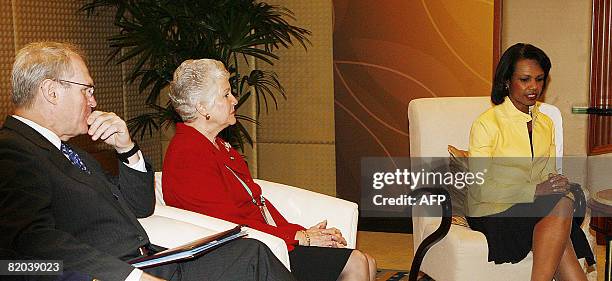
(523, 205)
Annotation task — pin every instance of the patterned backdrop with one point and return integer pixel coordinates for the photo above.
(387, 53)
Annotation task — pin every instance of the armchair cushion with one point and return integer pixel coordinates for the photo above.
(464, 256)
(181, 232)
(457, 163)
(459, 155)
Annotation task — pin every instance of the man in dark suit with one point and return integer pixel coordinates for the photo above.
(56, 202)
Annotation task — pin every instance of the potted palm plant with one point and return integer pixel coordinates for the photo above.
(155, 36)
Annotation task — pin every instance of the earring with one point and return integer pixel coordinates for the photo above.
(506, 86)
(207, 116)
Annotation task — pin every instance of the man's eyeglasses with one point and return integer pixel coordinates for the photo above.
(89, 88)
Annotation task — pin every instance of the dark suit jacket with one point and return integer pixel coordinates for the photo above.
(49, 209)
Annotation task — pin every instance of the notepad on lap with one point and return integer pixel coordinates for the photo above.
(190, 250)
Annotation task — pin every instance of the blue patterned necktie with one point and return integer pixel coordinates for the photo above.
(73, 156)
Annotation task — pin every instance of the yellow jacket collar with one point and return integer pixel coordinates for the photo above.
(511, 111)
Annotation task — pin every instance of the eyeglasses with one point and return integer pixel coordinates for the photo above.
(89, 88)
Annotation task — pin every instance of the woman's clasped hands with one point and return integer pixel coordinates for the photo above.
(321, 236)
(555, 184)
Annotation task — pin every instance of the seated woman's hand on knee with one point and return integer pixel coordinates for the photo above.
(555, 184)
(330, 237)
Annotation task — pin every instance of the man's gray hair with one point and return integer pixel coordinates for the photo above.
(36, 62)
(195, 81)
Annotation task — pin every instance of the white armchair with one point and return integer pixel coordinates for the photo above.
(462, 253)
(170, 227)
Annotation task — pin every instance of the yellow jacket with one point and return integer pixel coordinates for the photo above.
(500, 147)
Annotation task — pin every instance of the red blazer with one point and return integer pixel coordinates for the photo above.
(195, 178)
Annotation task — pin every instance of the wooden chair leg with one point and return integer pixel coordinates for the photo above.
(437, 235)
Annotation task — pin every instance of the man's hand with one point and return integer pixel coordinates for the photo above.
(110, 128)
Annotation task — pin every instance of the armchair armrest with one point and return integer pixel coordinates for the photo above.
(170, 233)
(437, 235)
(579, 202)
(307, 208)
(170, 227)
(192, 218)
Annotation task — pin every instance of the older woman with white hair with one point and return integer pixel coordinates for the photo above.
(204, 174)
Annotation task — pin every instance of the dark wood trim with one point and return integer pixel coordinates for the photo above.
(437, 235)
(600, 127)
(497, 32)
(601, 149)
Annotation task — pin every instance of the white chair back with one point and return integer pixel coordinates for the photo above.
(437, 122)
(159, 194)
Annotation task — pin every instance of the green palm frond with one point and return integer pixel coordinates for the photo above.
(155, 36)
(265, 84)
(149, 122)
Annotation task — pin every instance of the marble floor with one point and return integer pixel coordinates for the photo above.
(394, 250)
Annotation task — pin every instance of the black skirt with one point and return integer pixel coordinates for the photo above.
(510, 233)
(318, 263)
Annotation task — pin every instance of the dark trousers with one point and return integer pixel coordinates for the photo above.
(243, 259)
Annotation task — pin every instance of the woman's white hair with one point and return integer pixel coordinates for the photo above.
(195, 81)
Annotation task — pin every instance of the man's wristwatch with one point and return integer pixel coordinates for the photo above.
(123, 157)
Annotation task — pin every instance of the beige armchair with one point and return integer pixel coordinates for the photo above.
(462, 253)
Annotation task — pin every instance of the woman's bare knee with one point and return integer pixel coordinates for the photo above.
(371, 266)
(356, 267)
(371, 260)
(358, 259)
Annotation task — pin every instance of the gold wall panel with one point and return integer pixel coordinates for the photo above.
(7, 55)
(307, 115)
(308, 166)
(295, 144)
